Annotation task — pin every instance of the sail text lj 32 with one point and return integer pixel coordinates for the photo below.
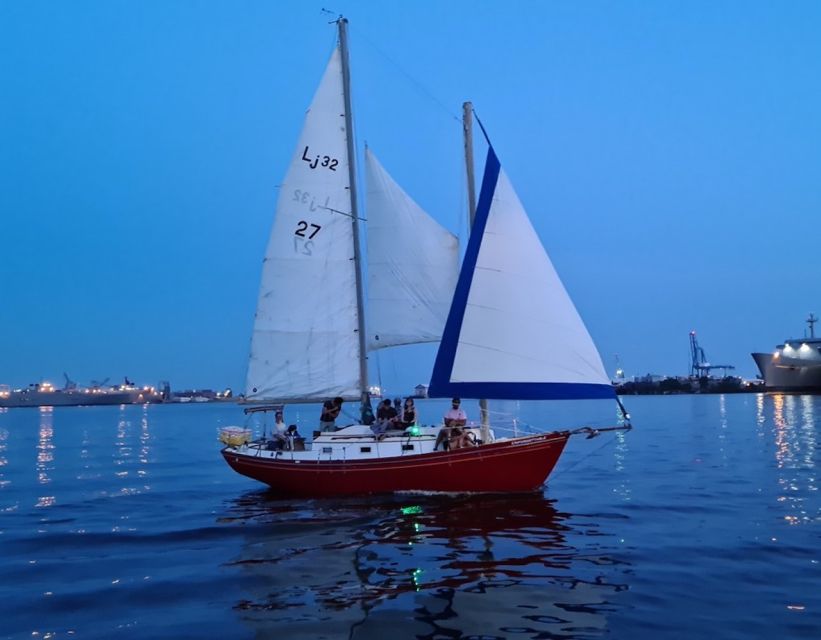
(496, 339)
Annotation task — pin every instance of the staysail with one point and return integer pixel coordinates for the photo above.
(305, 343)
(512, 331)
(413, 263)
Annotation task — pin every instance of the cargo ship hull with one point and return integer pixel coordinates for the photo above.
(26, 398)
(788, 374)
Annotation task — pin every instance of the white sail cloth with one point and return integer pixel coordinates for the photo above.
(304, 344)
(513, 331)
(413, 263)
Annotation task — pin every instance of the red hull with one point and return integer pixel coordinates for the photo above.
(516, 465)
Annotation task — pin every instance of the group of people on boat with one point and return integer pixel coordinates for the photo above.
(390, 416)
(396, 416)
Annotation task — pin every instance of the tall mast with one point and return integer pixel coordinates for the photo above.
(467, 125)
(342, 23)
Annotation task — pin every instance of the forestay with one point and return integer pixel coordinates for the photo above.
(512, 331)
(304, 343)
(413, 263)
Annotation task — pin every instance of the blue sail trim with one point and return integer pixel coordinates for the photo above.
(440, 383)
(525, 391)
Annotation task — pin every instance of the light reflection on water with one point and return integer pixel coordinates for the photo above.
(45, 454)
(796, 443)
(4, 436)
(461, 566)
(621, 456)
(132, 446)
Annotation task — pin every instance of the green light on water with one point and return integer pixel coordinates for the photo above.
(409, 511)
(416, 576)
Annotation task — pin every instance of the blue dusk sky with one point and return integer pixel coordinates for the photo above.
(669, 154)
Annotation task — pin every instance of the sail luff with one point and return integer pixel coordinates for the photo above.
(360, 295)
(467, 125)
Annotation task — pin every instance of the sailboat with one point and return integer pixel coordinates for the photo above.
(497, 339)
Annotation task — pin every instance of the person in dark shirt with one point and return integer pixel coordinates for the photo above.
(409, 417)
(330, 412)
(385, 417)
(293, 440)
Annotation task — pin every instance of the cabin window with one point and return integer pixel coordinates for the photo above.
(364, 449)
(327, 450)
(407, 447)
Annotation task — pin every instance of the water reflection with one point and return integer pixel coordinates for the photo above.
(622, 488)
(145, 439)
(722, 426)
(796, 444)
(132, 450)
(45, 454)
(469, 566)
(4, 438)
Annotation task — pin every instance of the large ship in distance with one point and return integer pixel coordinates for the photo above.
(45, 394)
(794, 365)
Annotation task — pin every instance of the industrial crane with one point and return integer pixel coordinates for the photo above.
(699, 366)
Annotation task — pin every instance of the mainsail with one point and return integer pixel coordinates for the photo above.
(512, 331)
(305, 343)
(413, 263)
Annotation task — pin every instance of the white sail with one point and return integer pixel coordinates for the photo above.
(413, 263)
(305, 343)
(513, 331)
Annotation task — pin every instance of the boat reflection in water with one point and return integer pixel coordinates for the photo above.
(440, 566)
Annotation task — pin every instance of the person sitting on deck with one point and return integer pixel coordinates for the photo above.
(409, 417)
(454, 417)
(460, 438)
(294, 441)
(278, 440)
(330, 412)
(279, 423)
(385, 417)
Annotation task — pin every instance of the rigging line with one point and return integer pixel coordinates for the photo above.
(419, 86)
(482, 127)
(561, 472)
(342, 213)
(624, 411)
(379, 373)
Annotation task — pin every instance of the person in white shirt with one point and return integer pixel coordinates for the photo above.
(455, 418)
(279, 423)
(278, 440)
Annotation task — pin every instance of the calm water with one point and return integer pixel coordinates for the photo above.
(704, 521)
